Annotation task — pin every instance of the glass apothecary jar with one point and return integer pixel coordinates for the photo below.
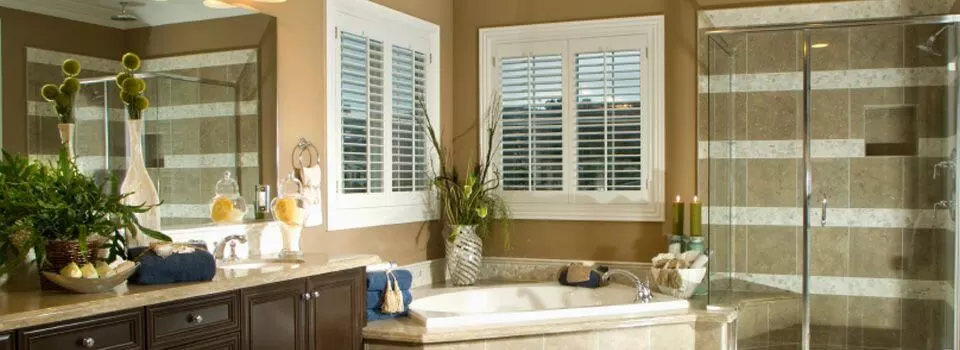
(289, 210)
(227, 206)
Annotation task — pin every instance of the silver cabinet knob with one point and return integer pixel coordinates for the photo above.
(307, 296)
(87, 342)
(194, 318)
(316, 294)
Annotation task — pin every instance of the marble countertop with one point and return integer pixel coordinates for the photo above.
(25, 305)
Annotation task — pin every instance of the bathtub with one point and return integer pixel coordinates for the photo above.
(532, 302)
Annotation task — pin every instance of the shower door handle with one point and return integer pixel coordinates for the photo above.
(823, 212)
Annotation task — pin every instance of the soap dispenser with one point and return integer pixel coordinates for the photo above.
(227, 206)
(289, 210)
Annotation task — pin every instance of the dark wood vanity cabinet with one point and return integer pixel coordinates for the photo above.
(325, 312)
(337, 310)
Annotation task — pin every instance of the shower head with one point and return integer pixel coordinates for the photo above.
(928, 46)
(123, 16)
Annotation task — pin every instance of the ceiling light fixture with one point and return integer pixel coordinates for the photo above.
(217, 4)
(819, 45)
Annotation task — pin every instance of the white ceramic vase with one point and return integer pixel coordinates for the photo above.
(464, 255)
(137, 182)
(67, 132)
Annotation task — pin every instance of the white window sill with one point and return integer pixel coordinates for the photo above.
(352, 218)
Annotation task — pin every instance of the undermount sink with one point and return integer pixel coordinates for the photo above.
(258, 264)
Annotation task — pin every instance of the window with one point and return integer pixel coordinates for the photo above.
(381, 62)
(581, 134)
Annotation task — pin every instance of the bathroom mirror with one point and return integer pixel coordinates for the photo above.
(211, 82)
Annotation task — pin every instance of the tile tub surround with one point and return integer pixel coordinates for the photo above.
(30, 307)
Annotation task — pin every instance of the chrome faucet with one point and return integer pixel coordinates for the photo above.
(644, 294)
(230, 240)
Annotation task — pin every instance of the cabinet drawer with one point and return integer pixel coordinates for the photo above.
(226, 342)
(120, 331)
(6, 341)
(199, 318)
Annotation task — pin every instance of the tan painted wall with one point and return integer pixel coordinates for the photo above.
(301, 73)
(582, 239)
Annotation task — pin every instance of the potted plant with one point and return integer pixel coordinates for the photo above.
(469, 204)
(62, 97)
(137, 180)
(55, 211)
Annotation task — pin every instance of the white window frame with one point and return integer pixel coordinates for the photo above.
(609, 34)
(347, 211)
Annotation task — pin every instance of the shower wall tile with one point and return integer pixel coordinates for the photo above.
(874, 322)
(182, 186)
(729, 180)
(836, 56)
(877, 47)
(876, 182)
(829, 251)
(863, 99)
(771, 182)
(730, 110)
(217, 135)
(925, 254)
(831, 181)
(876, 252)
(930, 108)
(828, 319)
(773, 52)
(830, 115)
(772, 249)
(248, 128)
(923, 322)
(186, 132)
(894, 124)
(773, 115)
(926, 190)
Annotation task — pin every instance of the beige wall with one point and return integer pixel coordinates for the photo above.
(583, 239)
(301, 73)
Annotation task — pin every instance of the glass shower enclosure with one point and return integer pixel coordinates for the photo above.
(827, 158)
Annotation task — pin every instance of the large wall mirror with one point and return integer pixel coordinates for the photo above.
(211, 80)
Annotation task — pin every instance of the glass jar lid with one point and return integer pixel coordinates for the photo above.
(227, 186)
(290, 186)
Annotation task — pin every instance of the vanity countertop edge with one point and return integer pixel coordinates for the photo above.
(22, 309)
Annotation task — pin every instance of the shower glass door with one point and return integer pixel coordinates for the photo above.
(880, 110)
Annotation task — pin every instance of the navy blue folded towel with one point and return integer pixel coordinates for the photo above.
(191, 267)
(375, 299)
(595, 278)
(374, 315)
(378, 280)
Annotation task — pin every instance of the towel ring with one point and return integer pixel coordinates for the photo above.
(304, 146)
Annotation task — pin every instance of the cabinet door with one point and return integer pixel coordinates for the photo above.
(275, 316)
(337, 312)
(6, 342)
(226, 342)
(119, 331)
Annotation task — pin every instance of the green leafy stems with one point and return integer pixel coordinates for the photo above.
(62, 96)
(45, 202)
(474, 199)
(132, 87)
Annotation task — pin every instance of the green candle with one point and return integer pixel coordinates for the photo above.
(695, 217)
(678, 217)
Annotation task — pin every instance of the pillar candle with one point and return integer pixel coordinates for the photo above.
(695, 212)
(678, 216)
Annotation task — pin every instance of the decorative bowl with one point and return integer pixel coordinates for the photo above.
(89, 285)
(689, 280)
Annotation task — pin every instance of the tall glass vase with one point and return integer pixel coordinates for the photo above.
(67, 132)
(137, 182)
(464, 255)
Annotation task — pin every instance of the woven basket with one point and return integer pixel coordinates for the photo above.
(689, 280)
(62, 253)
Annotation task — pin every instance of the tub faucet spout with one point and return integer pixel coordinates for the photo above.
(644, 294)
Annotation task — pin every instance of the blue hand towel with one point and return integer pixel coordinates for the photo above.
(378, 280)
(594, 282)
(374, 315)
(192, 267)
(375, 299)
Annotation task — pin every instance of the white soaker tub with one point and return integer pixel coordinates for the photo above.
(535, 302)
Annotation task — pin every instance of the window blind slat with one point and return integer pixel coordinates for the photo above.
(531, 121)
(361, 82)
(608, 118)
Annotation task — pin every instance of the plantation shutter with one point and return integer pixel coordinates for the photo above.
(608, 120)
(532, 123)
(361, 101)
(409, 137)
